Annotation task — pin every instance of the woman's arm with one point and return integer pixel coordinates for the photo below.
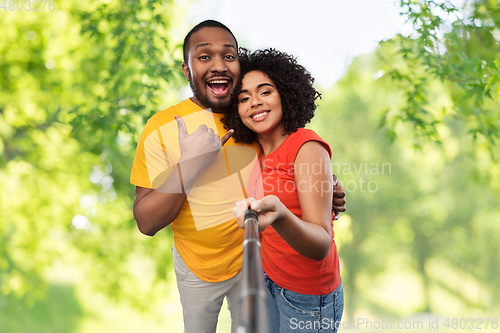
(311, 236)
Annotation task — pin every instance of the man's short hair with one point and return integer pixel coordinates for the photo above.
(199, 26)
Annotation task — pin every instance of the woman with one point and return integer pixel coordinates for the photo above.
(273, 102)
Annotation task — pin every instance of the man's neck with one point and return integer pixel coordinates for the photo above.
(213, 110)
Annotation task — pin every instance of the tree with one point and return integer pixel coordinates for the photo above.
(420, 209)
(459, 47)
(77, 85)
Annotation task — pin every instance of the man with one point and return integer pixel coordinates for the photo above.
(191, 181)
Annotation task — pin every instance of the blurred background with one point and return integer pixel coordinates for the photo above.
(410, 107)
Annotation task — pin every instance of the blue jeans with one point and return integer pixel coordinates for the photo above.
(293, 312)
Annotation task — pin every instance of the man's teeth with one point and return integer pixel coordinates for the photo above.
(219, 81)
(259, 115)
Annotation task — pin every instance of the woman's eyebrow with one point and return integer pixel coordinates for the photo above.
(258, 87)
(264, 84)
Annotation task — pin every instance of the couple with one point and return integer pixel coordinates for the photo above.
(187, 177)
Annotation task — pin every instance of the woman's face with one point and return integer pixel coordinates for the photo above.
(259, 104)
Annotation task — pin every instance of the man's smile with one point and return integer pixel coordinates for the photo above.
(219, 86)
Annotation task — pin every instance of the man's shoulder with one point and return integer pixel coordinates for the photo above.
(167, 115)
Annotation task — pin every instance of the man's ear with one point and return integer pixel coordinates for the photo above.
(185, 69)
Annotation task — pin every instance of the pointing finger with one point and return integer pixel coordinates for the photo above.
(226, 137)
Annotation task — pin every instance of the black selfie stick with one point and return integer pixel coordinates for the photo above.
(253, 316)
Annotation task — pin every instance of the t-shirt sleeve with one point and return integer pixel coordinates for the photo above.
(152, 163)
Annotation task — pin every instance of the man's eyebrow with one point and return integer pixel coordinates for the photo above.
(209, 44)
(230, 45)
(258, 87)
(202, 45)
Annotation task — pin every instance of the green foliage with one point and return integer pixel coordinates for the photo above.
(77, 85)
(458, 46)
(409, 207)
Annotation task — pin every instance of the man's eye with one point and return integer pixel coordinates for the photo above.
(231, 57)
(203, 57)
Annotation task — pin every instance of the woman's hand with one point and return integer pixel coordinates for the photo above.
(269, 209)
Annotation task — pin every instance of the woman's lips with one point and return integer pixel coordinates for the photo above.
(259, 116)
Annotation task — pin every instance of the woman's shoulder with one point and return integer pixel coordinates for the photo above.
(307, 134)
(300, 137)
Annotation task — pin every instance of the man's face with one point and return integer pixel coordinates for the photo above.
(213, 67)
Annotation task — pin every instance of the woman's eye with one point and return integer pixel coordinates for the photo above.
(244, 99)
(265, 93)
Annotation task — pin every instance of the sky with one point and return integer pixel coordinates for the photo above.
(324, 35)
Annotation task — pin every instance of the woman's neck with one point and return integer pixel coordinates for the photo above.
(270, 143)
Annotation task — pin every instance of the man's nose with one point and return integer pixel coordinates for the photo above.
(219, 65)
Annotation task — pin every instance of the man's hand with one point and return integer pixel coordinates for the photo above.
(338, 201)
(200, 147)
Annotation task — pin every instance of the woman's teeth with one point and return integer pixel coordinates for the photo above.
(259, 115)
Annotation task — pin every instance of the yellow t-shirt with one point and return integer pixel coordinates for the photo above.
(205, 231)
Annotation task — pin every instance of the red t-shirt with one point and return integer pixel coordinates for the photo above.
(287, 268)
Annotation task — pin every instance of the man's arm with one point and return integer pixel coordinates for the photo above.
(148, 211)
(156, 209)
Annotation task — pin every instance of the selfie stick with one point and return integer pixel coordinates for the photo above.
(253, 316)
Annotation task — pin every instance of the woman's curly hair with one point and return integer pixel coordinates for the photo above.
(293, 82)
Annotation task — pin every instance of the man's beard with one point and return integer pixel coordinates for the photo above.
(217, 105)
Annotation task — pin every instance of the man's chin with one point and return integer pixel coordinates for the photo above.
(218, 104)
